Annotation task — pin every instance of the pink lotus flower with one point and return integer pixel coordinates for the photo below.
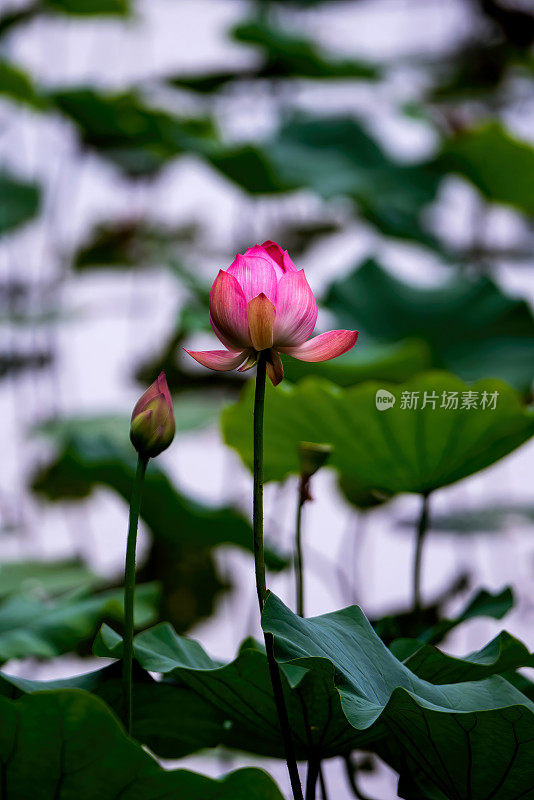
(262, 302)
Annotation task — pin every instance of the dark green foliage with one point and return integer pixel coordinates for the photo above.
(60, 744)
(500, 166)
(137, 138)
(40, 628)
(410, 714)
(344, 689)
(430, 625)
(383, 452)
(504, 652)
(470, 326)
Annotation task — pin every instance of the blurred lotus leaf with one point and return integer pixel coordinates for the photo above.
(13, 362)
(504, 652)
(430, 626)
(287, 55)
(122, 128)
(83, 749)
(17, 85)
(500, 165)
(19, 202)
(489, 519)
(388, 450)
(336, 157)
(282, 55)
(471, 327)
(45, 628)
(131, 243)
(89, 7)
(18, 16)
(45, 579)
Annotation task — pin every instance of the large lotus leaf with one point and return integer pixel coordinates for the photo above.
(389, 450)
(62, 744)
(44, 629)
(471, 327)
(503, 653)
(345, 690)
(471, 740)
(19, 202)
(241, 692)
(428, 625)
(500, 165)
(171, 720)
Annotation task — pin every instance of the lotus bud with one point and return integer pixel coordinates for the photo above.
(312, 457)
(152, 427)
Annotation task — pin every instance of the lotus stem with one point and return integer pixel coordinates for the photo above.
(129, 589)
(299, 561)
(422, 528)
(261, 587)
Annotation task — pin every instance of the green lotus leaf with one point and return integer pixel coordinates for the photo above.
(56, 745)
(429, 626)
(395, 362)
(500, 165)
(345, 690)
(503, 653)
(43, 629)
(470, 326)
(45, 578)
(170, 719)
(18, 85)
(384, 451)
(470, 740)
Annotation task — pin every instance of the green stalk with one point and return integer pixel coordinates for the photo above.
(129, 589)
(299, 561)
(422, 528)
(261, 586)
